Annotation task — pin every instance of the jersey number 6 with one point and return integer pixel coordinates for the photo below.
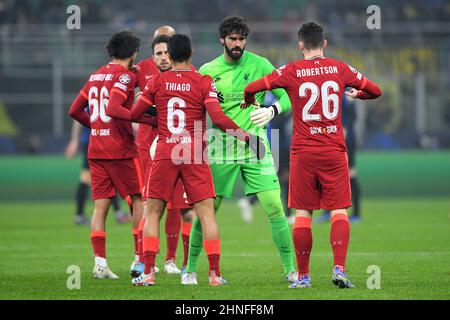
(172, 113)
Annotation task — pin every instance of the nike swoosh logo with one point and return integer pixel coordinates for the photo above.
(148, 77)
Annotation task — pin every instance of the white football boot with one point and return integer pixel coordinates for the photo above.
(100, 272)
(171, 268)
(189, 278)
(291, 277)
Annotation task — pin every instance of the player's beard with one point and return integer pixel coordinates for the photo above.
(164, 67)
(232, 55)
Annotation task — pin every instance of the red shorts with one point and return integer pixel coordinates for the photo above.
(111, 176)
(164, 174)
(319, 180)
(179, 199)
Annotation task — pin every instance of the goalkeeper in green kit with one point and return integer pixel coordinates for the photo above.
(228, 158)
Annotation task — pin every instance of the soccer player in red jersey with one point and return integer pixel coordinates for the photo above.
(146, 135)
(319, 174)
(182, 98)
(112, 152)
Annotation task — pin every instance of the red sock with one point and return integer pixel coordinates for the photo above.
(302, 237)
(173, 227)
(98, 240)
(140, 242)
(151, 247)
(212, 249)
(136, 241)
(339, 238)
(185, 232)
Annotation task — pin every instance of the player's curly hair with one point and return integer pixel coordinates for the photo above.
(233, 24)
(179, 48)
(123, 45)
(311, 34)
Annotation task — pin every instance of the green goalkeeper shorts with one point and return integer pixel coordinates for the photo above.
(256, 177)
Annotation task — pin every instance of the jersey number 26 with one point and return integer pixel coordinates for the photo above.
(330, 101)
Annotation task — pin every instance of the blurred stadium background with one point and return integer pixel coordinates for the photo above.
(403, 137)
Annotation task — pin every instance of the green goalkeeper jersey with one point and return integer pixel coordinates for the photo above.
(230, 79)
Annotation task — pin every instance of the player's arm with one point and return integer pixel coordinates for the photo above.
(142, 110)
(150, 111)
(283, 103)
(220, 119)
(224, 123)
(264, 114)
(116, 109)
(72, 147)
(362, 88)
(77, 112)
(369, 91)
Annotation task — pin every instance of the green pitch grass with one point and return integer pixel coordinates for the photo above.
(408, 239)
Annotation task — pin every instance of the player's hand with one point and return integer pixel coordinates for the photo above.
(353, 93)
(135, 68)
(245, 105)
(71, 149)
(262, 115)
(256, 144)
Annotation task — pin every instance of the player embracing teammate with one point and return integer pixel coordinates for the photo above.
(319, 174)
(182, 97)
(112, 153)
(145, 137)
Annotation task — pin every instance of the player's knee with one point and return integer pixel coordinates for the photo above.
(274, 209)
(101, 206)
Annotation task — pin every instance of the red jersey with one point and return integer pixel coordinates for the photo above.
(110, 138)
(145, 133)
(315, 88)
(147, 69)
(180, 97)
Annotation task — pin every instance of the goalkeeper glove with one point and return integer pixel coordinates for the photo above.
(257, 146)
(263, 114)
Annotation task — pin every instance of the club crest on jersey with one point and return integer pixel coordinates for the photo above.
(125, 79)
